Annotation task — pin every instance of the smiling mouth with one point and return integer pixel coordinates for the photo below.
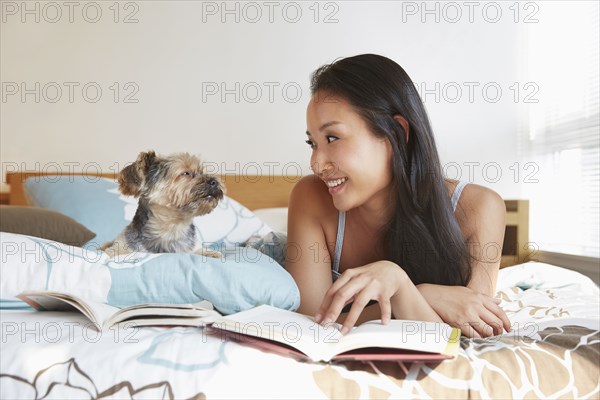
(335, 182)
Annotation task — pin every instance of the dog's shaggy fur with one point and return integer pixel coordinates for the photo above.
(172, 190)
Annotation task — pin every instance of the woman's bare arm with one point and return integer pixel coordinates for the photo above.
(481, 215)
(484, 217)
(307, 259)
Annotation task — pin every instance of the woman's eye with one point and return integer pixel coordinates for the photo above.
(186, 173)
(310, 143)
(331, 138)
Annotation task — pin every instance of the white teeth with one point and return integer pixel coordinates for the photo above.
(336, 182)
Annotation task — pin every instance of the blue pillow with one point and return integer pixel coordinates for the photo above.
(242, 279)
(97, 204)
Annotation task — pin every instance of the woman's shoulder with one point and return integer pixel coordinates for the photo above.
(474, 196)
(477, 206)
(480, 198)
(312, 196)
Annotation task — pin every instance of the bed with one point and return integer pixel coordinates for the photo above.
(553, 350)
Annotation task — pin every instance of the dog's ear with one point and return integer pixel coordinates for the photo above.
(132, 177)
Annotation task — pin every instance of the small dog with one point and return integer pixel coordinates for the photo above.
(172, 191)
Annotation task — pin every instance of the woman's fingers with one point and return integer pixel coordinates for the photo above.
(386, 310)
(359, 304)
(359, 289)
(495, 308)
(334, 303)
(490, 323)
(471, 332)
(329, 296)
(499, 312)
(483, 329)
(377, 281)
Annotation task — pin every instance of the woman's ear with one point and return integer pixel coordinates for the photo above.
(402, 121)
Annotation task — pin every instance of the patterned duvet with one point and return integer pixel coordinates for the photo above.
(552, 352)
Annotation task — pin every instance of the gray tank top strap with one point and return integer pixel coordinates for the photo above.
(339, 242)
(456, 194)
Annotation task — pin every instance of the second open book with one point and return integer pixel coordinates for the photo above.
(104, 316)
(298, 335)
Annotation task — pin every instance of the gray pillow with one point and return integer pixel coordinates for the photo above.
(43, 223)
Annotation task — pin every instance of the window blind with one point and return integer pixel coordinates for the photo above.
(563, 128)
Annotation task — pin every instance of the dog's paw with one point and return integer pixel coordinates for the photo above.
(114, 253)
(209, 253)
(115, 249)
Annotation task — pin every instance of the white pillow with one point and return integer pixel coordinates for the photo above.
(276, 217)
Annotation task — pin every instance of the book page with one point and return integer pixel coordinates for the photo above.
(323, 344)
(201, 305)
(163, 313)
(160, 321)
(400, 334)
(104, 316)
(287, 327)
(98, 313)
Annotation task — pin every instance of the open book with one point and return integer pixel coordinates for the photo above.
(298, 335)
(105, 316)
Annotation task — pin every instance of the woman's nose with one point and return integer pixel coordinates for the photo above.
(320, 164)
(317, 161)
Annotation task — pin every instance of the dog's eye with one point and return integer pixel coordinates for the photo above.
(186, 173)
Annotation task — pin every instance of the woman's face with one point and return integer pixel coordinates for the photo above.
(346, 155)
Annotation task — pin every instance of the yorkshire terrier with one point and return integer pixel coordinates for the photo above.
(172, 190)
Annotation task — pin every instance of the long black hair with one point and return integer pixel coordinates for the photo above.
(423, 236)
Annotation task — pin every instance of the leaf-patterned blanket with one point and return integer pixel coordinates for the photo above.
(552, 352)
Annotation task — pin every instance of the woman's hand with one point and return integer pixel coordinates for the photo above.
(476, 314)
(379, 281)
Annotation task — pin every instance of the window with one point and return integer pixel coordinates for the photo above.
(562, 135)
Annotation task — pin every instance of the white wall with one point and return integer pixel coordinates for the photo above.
(177, 47)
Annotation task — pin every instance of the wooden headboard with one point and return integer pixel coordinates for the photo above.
(273, 191)
(251, 190)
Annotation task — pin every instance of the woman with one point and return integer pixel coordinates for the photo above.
(376, 221)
